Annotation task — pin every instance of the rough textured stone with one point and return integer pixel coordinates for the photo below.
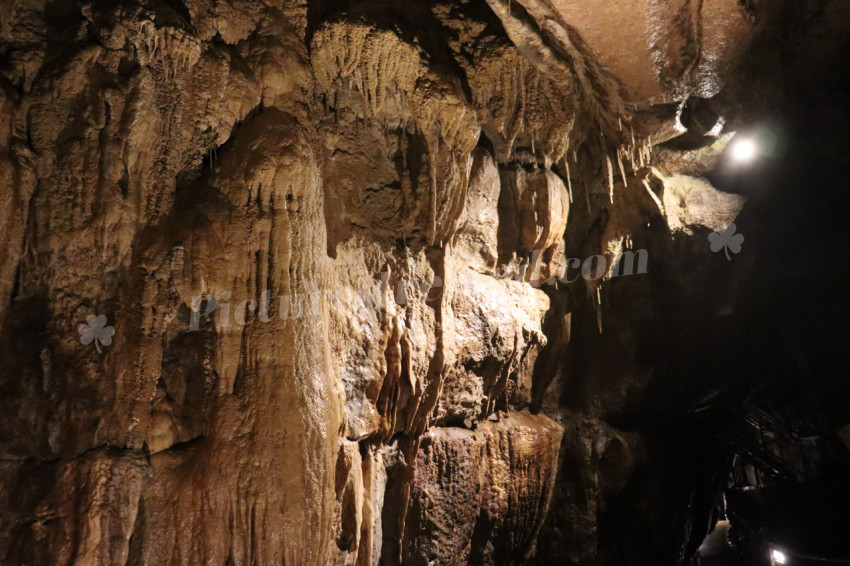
(337, 244)
(480, 496)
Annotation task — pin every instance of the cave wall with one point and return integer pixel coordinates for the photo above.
(332, 242)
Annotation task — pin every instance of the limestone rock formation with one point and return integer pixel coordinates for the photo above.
(337, 245)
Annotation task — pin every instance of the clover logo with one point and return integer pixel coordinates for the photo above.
(96, 330)
(726, 240)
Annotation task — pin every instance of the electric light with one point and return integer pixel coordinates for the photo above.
(743, 150)
(779, 557)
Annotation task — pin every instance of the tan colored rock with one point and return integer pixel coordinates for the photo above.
(480, 496)
(318, 237)
(497, 339)
(693, 201)
(658, 49)
(520, 106)
(477, 239)
(533, 210)
(44, 497)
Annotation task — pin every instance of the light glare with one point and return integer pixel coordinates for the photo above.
(743, 150)
(779, 557)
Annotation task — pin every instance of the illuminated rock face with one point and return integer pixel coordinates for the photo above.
(326, 242)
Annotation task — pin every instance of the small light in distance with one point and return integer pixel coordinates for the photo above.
(743, 150)
(779, 557)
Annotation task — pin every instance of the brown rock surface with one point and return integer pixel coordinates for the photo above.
(480, 496)
(330, 239)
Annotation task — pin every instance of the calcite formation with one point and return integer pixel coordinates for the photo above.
(328, 237)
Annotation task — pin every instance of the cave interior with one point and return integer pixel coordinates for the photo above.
(424, 283)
